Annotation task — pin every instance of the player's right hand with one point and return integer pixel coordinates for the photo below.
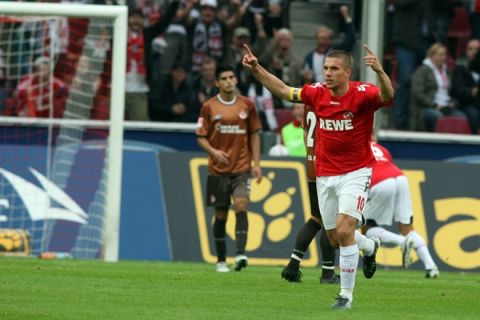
(249, 60)
(221, 157)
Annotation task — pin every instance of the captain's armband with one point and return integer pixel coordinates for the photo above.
(294, 94)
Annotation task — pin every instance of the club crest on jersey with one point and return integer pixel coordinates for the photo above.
(348, 115)
(243, 115)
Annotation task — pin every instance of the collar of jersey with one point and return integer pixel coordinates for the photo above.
(228, 103)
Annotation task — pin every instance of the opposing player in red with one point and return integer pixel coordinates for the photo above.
(389, 199)
(344, 111)
(314, 225)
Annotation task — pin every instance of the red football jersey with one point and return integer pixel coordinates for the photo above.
(33, 97)
(344, 126)
(383, 168)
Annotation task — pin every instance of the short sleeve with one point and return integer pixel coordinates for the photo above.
(374, 97)
(203, 122)
(310, 92)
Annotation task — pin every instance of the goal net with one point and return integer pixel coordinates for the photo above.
(61, 71)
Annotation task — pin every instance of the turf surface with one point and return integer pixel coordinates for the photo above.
(78, 289)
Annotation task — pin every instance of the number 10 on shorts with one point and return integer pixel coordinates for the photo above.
(360, 203)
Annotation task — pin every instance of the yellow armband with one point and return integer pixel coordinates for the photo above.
(295, 94)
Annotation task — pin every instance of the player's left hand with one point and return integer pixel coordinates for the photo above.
(371, 60)
(257, 173)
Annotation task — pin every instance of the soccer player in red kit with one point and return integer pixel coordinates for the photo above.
(388, 200)
(292, 272)
(345, 112)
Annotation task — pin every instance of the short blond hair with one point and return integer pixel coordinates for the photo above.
(434, 48)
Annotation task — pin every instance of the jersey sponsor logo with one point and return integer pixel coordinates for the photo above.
(38, 201)
(229, 129)
(336, 125)
(243, 115)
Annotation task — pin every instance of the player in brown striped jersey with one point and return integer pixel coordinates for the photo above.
(228, 130)
(291, 272)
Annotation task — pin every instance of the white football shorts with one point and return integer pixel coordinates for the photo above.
(389, 200)
(346, 193)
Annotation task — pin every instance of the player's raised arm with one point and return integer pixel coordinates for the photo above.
(276, 86)
(386, 87)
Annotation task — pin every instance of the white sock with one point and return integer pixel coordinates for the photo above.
(386, 236)
(348, 270)
(421, 249)
(364, 244)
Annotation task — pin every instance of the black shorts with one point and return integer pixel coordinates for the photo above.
(312, 190)
(220, 189)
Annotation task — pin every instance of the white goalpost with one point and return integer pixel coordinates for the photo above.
(61, 128)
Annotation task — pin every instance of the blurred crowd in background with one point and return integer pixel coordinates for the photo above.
(173, 48)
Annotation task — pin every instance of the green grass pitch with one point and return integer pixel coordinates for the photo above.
(78, 289)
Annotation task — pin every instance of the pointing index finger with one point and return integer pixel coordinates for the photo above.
(368, 49)
(247, 48)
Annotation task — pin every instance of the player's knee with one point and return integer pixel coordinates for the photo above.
(240, 204)
(221, 213)
(344, 233)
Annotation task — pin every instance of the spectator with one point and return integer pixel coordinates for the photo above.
(254, 9)
(313, 62)
(475, 18)
(292, 133)
(275, 17)
(263, 100)
(280, 60)
(412, 34)
(33, 92)
(208, 35)
(443, 13)
(204, 86)
(231, 12)
(139, 48)
(242, 36)
(274, 13)
(430, 98)
(465, 86)
(172, 98)
(170, 49)
(150, 10)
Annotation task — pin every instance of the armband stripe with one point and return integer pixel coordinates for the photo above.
(295, 94)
